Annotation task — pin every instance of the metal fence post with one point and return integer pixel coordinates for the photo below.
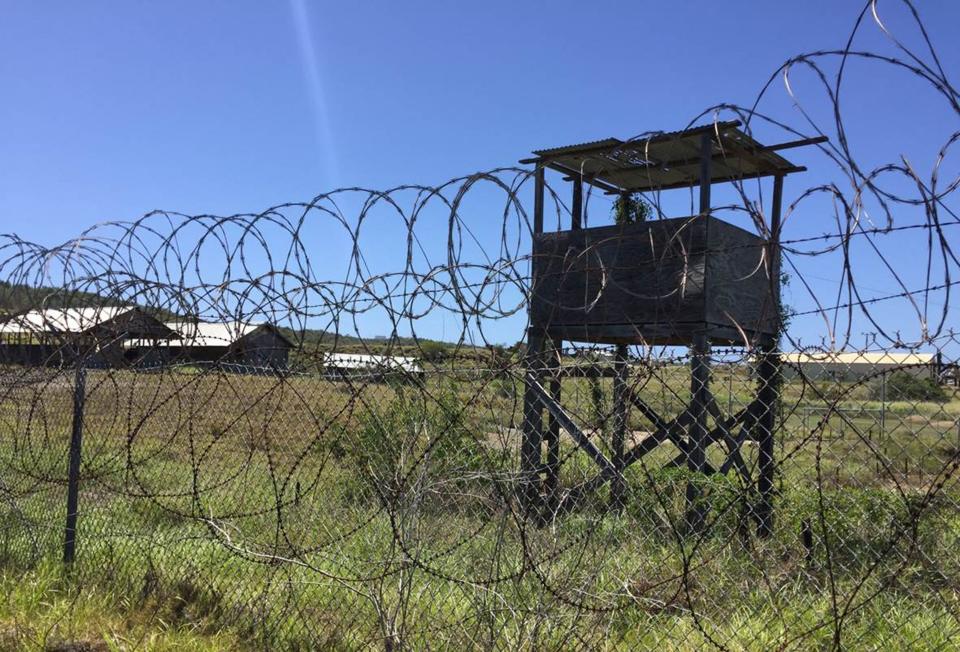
(883, 404)
(73, 467)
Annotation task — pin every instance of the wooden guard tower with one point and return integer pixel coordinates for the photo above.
(691, 281)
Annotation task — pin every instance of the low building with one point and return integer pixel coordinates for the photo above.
(338, 366)
(241, 343)
(98, 334)
(853, 365)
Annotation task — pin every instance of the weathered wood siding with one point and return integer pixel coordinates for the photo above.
(739, 289)
(262, 348)
(658, 281)
(259, 348)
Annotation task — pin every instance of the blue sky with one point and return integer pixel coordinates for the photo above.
(112, 109)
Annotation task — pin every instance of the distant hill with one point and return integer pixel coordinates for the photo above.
(19, 298)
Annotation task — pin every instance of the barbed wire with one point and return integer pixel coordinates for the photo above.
(314, 486)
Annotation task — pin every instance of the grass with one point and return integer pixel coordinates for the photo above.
(233, 512)
(44, 609)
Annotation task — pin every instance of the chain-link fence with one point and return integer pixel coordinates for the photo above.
(588, 424)
(372, 510)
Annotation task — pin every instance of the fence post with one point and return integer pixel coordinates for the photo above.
(883, 404)
(768, 396)
(697, 437)
(73, 467)
(618, 487)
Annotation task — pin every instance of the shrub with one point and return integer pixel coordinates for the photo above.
(506, 387)
(599, 403)
(414, 436)
(904, 386)
(631, 209)
(435, 352)
(836, 390)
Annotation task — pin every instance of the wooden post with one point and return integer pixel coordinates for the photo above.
(576, 207)
(538, 192)
(706, 157)
(767, 397)
(699, 370)
(530, 456)
(618, 488)
(552, 480)
(698, 431)
(532, 427)
(73, 464)
(552, 436)
(769, 378)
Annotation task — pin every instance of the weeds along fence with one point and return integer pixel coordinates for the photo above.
(199, 421)
(307, 511)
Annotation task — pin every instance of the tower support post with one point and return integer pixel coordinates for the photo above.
(552, 436)
(767, 398)
(768, 375)
(618, 486)
(532, 427)
(698, 433)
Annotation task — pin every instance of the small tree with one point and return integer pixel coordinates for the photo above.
(904, 386)
(630, 209)
(413, 438)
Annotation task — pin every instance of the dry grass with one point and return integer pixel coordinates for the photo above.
(167, 455)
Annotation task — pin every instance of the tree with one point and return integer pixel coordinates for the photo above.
(630, 209)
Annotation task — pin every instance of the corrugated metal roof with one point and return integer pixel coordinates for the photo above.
(860, 358)
(554, 151)
(206, 334)
(668, 160)
(368, 362)
(69, 320)
(201, 333)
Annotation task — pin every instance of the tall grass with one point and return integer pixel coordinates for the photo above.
(250, 513)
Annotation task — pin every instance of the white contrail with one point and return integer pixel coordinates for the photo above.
(310, 61)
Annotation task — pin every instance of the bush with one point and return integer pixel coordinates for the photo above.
(412, 437)
(599, 403)
(904, 386)
(836, 390)
(434, 352)
(631, 209)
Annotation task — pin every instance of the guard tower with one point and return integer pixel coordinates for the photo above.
(689, 281)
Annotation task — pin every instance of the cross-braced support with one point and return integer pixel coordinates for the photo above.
(690, 431)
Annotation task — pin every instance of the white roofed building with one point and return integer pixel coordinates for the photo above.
(99, 334)
(365, 365)
(855, 365)
(255, 345)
